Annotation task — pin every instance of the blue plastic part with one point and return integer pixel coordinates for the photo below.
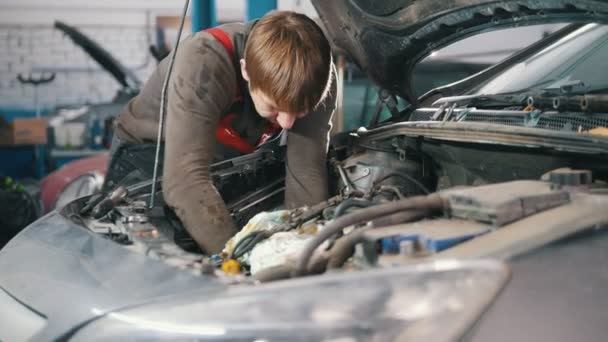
(95, 134)
(437, 245)
(9, 114)
(258, 8)
(390, 245)
(203, 14)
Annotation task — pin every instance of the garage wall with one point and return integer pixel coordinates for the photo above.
(29, 44)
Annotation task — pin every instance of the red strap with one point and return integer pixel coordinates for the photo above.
(224, 39)
(225, 133)
(228, 137)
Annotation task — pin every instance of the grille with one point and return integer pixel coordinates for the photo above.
(561, 122)
(569, 122)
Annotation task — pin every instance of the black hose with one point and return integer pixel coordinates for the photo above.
(351, 203)
(400, 217)
(429, 202)
(318, 265)
(246, 244)
(345, 246)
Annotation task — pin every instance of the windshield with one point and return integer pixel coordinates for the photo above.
(579, 56)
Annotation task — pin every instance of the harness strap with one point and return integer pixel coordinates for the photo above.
(226, 133)
(224, 39)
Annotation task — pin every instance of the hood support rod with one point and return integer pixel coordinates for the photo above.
(163, 109)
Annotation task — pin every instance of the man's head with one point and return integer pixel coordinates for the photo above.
(287, 65)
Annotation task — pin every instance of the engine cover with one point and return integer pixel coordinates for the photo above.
(503, 203)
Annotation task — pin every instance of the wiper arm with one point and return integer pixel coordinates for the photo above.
(591, 101)
(515, 99)
(530, 96)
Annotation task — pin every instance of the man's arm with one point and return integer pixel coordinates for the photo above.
(305, 167)
(202, 85)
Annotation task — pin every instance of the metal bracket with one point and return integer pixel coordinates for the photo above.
(439, 111)
(531, 119)
(385, 98)
(574, 86)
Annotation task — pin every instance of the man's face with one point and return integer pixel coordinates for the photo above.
(269, 111)
(267, 108)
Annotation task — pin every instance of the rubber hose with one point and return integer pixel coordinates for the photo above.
(278, 272)
(345, 246)
(350, 203)
(429, 202)
(318, 265)
(400, 217)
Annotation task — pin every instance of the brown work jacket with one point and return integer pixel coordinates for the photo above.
(201, 90)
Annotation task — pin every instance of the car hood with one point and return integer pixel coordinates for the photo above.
(122, 74)
(388, 38)
(84, 275)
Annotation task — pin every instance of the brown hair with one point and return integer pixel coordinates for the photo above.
(289, 59)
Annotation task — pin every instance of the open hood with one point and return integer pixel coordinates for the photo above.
(387, 38)
(122, 74)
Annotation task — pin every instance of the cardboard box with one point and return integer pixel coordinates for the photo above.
(23, 132)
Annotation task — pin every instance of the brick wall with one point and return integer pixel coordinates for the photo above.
(40, 48)
(30, 44)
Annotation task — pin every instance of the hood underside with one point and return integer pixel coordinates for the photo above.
(122, 74)
(388, 38)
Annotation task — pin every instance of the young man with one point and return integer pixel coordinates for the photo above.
(246, 80)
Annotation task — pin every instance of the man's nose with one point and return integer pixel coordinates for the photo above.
(286, 120)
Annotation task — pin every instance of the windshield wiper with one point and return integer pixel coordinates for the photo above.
(515, 99)
(570, 96)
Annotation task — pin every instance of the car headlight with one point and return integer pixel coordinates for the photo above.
(432, 302)
(84, 185)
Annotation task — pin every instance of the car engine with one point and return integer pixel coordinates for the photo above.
(396, 201)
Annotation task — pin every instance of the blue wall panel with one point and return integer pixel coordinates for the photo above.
(257, 9)
(202, 14)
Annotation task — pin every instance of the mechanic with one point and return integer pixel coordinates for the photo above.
(233, 87)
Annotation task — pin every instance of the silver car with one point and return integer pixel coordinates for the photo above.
(476, 213)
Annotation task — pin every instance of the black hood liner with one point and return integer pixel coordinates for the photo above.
(388, 38)
(122, 74)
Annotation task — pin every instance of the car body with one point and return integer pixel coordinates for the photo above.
(85, 175)
(468, 215)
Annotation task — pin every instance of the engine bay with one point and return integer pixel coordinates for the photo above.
(396, 200)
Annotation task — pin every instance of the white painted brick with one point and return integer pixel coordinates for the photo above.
(5, 58)
(20, 68)
(47, 47)
(14, 42)
(38, 58)
(28, 91)
(14, 92)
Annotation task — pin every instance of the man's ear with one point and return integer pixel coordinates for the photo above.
(244, 70)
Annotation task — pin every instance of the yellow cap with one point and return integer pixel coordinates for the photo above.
(231, 266)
